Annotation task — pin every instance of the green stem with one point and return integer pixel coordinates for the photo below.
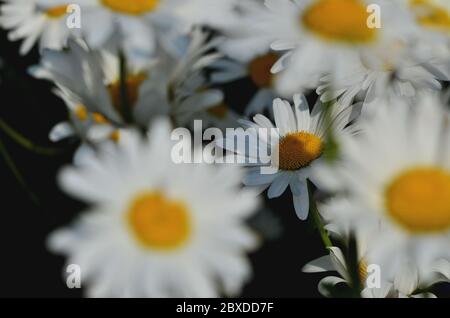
(124, 94)
(25, 142)
(12, 166)
(317, 219)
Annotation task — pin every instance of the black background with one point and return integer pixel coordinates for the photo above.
(27, 269)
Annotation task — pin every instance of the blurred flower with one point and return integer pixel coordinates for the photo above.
(393, 183)
(90, 81)
(31, 21)
(325, 37)
(257, 69)
(140, 27)
(406, 79)
(405, 284)
(432, 32)
(156, 229)
(299, 144)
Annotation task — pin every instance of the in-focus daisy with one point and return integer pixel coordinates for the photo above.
(258, 70)
(32, 21)
(395, 178)
(156, 229)
(295, 149)
(326, 37)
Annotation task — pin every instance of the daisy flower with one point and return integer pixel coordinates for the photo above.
(90, 80)
(132, 25)
(139, 27)
(327, 37)
(403, 204)
(168, 87)
(406, 79)
(432, 20)
(33, 21)
(295, 149)
(156, 229)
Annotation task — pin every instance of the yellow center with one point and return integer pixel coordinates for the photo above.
(339, 20)
(431, 15)
(159, 223)
(57, 12)
(419, 200)
(131, 7)
(298, 150)
(259, 70)
(134, 83)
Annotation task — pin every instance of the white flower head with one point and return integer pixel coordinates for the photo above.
(140, 27)
(393, 181)
(295, 148)
(33, 20)
(406, 79)
(328, 37)
(177, 88)
(156, 229)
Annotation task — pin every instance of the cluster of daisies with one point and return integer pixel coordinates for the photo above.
(369, 163)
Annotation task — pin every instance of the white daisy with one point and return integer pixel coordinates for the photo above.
(32, 21)
(396, 175)
(295, 149)
(432, 32)
(406, 79)
(91, 80)
(328, 37)
(164, 87)
(156, 229)
(139, 27)
(133, 25)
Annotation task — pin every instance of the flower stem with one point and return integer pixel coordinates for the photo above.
(124, 94)
(317, 219)
(12, 166)
(25, 142)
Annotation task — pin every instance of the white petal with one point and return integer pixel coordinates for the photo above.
(321, 264)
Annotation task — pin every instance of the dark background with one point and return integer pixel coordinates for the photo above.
(27, 269)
